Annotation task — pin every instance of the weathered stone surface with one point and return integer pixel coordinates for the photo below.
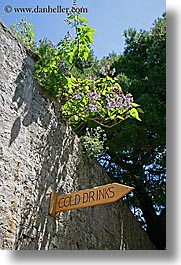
(38, 154)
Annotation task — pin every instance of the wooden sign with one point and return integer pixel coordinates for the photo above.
(86, 198)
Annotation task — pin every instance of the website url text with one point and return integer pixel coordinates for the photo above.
(48, 9)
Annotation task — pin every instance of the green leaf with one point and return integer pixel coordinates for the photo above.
(134, 113)
(89, 35)
(140, 110)
(112, 117)
(76, 118)
(53, 64)
(135, 105)
(56, 52)
(86, 54)
(83, 19)
(70, 57)
(71, 17)
(108, 78)
(120, 117)
(85, 100)
(92, 30)
(104, 92)
(70, 91)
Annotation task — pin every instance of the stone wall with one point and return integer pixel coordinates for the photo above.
(39, 153)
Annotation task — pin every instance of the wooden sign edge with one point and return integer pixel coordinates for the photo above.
(52, 206)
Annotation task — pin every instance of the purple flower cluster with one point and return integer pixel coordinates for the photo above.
(71, 12)
(119, 101)
(93, 96)
(75, 3)
(93, 107)
(46, 42)
(90, 77)
(115, 100)
(128, 99)
(113, 71)
(105, 70)
(77, 96)
(67, 37)
(67, 21)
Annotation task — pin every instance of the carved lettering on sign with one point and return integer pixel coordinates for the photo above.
(86, 198)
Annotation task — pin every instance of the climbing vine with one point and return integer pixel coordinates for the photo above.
(23, 30)
(99, 100)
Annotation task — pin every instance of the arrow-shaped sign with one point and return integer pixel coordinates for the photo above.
(86, 198)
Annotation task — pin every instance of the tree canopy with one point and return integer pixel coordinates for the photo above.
(137, 151)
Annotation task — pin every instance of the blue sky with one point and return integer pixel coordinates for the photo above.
(109, 17)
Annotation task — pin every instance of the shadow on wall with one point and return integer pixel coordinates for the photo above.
(29, 107)
(15, 130)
